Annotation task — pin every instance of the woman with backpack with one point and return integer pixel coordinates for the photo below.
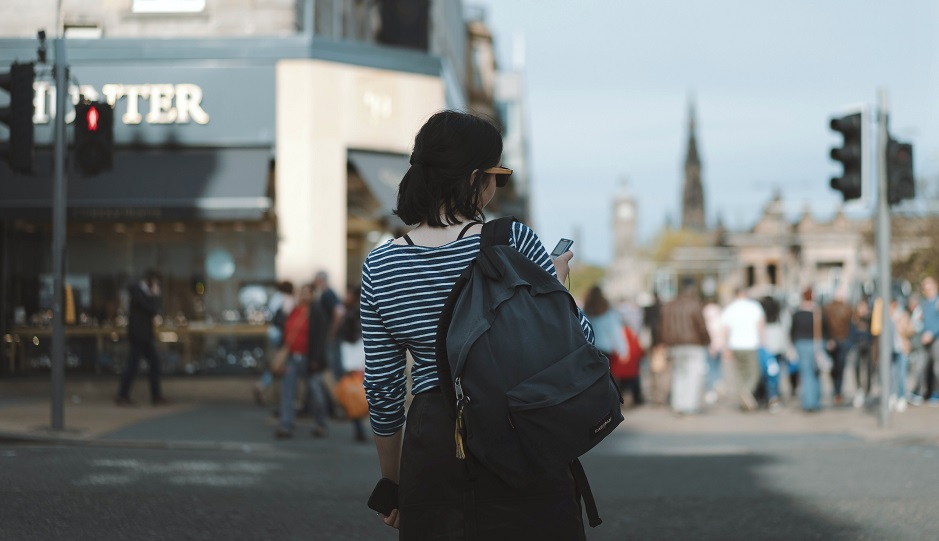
(455, 170)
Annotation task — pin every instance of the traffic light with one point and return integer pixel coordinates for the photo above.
(17, 151)
(900, 182)
(851, 155)
(94, 137)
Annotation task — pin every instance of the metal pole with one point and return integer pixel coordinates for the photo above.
(883, 260)
(58, 240)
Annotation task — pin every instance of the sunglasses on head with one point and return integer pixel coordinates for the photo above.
(502, 175)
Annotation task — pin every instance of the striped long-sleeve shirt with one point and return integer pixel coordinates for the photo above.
(404, 289)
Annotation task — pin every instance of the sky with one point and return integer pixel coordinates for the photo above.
(608, 84)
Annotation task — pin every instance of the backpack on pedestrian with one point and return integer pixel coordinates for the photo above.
(530, 393)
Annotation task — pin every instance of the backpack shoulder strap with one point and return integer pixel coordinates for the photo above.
(584, 492)
(497, 232)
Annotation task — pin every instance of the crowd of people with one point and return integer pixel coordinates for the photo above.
(316, 342)
(769, 352)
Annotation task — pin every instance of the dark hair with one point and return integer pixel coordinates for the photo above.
(151, 276)
(285, 287)
(448, 147)
(595, 303)
(770, 309)
(351, 328)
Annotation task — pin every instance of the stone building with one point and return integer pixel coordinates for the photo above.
(780, 255)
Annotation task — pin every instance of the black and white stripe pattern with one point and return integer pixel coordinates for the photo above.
(403, 292)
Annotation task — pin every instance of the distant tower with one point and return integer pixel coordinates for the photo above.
(692, 203)
(624, 222)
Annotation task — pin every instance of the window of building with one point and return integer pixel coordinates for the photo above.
(751, 275)
(82, 31)
(772, 272)
(168, 6)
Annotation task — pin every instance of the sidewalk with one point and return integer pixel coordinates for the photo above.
(221, 412)
(90, 413)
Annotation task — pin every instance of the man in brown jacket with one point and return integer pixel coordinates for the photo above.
(836, 325)
(686, 335)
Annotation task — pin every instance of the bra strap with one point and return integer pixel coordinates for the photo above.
(465, 229)
(408, 240)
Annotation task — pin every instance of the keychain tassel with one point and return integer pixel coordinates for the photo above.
(458, 437)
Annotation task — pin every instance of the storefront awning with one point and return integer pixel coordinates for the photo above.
(149, 184)
(382, 172)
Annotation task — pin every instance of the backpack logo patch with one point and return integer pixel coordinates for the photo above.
(599, 427)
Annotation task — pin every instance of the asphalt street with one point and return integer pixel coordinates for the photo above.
(649, 486)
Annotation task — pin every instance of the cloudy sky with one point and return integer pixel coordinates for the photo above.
(608, 84)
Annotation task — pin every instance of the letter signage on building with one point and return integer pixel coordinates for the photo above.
(170, 103)
(151, 103)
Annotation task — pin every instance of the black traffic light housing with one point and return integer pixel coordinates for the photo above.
(851, 155)
(17, 151)
(900, 181)
(94, 137)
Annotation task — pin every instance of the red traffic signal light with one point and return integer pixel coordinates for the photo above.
(94, 137)
(91, 118)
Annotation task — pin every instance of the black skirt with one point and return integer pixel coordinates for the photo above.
(445, 498)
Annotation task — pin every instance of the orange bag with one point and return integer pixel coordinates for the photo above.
(350, 394)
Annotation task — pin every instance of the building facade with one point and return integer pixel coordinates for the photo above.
(254, 142)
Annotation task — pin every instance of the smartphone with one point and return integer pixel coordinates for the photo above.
(384, 498)
(563, 246)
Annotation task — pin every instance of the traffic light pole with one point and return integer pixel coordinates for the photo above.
(58, 239)
(883, 261)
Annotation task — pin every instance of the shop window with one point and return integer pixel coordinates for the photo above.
(751, 275)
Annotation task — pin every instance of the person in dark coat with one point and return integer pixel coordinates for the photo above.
(144, 306)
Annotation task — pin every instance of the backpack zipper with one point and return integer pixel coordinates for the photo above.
(458, 429)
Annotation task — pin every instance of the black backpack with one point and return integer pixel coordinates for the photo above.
(531, 394)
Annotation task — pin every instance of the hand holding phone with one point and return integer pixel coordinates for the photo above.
(384, 498)
(562, 246)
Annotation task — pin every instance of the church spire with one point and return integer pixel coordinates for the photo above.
(692, 211)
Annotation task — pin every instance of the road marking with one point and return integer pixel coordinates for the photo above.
(241, 473)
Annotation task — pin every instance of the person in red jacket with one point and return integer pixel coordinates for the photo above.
(304, 337)
(625, 368)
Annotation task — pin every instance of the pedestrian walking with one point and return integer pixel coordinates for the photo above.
(455, 170)
(806, 335)
(625, 369)
(660, 375)
(145, 297)
(304, 333)
(712, 318)
(607, 325)
(902, 332)
(335, 310)
(685, 333)
(353, 355)
(280, 305)
(862, 339)
(929, 338)
(744, 322)
(918, 357)
(774, 364)
(836, 326)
